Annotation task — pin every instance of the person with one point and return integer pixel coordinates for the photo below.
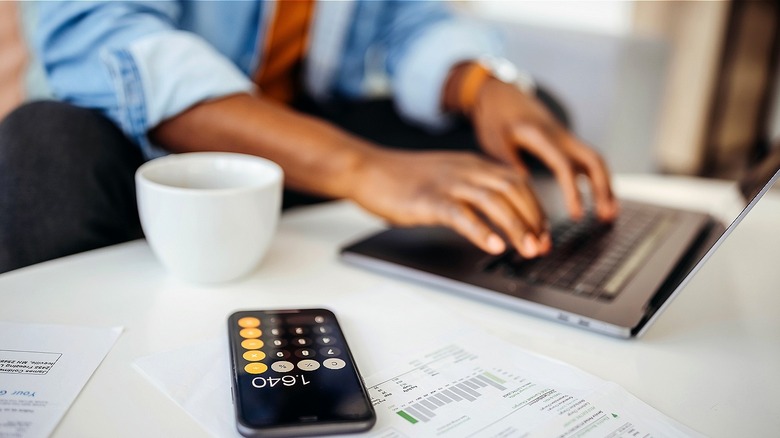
(140, 79)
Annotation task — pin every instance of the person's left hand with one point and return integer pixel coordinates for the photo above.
(508, 121)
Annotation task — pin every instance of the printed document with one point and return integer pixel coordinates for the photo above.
(42, 370)
(481, 386)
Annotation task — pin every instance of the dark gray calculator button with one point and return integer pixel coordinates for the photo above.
(280, 354)
(301, 342)
(326, 340)
(322, 329)
(305, 353)
(330, 351)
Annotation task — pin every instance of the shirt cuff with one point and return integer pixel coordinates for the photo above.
(421, 75)
(162, 75)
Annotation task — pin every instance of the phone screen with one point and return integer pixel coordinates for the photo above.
(293, 370)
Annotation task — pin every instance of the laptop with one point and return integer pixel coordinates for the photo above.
(612, 279)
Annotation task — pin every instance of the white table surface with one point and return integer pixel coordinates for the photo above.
(712, 361)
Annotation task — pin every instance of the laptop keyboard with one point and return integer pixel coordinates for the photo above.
(590, 258)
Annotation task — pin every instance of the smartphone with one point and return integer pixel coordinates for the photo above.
(293, 375)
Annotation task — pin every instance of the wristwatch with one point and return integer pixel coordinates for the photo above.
(479, 70)
(505, 71)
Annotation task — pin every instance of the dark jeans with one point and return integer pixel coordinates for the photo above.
(67, 173)
(66, 184)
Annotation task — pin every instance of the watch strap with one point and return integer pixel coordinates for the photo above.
(472, 80)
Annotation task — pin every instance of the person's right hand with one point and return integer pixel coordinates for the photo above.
(473, 195)
(468, 193)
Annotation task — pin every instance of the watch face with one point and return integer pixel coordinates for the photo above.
(505, 71)
(501, 68)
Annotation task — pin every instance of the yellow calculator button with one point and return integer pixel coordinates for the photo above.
(256, 368)
(250, 333)
(249, 322)
(254, 355)
(252, 344)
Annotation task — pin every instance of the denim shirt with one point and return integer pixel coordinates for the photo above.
(143, 62)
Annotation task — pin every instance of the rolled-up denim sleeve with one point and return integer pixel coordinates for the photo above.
(129, 60)
(425, 40)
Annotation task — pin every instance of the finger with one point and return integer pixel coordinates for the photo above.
(521, 197)
(598, 176)
(465, 222)
(497, 210)
(537, 143)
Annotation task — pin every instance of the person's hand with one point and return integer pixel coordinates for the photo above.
(468, 193)
(508, 121)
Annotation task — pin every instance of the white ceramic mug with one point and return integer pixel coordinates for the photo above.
(209, 216)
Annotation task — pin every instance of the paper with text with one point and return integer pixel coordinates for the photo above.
(480, 386)
(42, 370)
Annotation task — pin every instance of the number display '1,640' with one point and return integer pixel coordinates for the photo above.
(270, 382)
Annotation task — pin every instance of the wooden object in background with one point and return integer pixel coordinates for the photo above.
(740, 111)
(695, 32)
